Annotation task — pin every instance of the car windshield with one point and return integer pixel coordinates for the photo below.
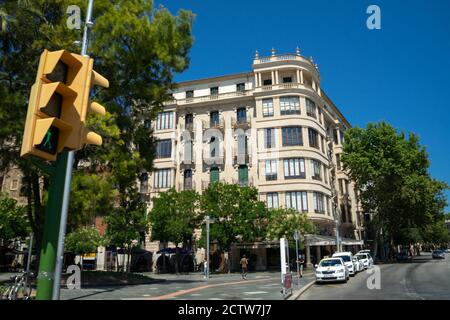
(438, 251)
(362, 256)
(345, 258)
(330, 263)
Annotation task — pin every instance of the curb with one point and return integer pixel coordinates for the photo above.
(297, 294)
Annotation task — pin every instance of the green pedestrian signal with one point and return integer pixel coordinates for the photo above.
(50, 142)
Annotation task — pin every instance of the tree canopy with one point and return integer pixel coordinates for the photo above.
(390, 170)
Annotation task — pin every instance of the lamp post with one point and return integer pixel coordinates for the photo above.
(296, 238)
(208, 221)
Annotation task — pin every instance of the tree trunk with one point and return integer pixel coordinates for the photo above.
(375, 244)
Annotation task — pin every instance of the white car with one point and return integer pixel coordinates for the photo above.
(359, 264)
(364, 251)
(347, 257)
(367, 259)
(331, 269)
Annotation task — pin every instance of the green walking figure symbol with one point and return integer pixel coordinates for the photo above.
(48, 141)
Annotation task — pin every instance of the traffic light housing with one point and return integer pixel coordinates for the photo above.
(59, 103)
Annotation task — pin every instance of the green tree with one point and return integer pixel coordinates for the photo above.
(136, 46)
(92, 195)
(175, 217)
(13, 221)
(391, 172)
(126, 226)
(238, 214)
(284, 223)
(84, 240)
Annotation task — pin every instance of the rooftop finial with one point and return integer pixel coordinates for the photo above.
(297, 51)
(273, 52)
(256, 54)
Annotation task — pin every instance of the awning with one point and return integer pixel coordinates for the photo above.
(319, 240)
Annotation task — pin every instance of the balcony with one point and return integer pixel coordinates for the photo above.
(206, 183)
(208, 124)
(187, 162)
(241, 123)
(244, 183)
(241, 157)
(186, 185)
(212, 97)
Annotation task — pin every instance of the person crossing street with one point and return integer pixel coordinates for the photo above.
(244, 267)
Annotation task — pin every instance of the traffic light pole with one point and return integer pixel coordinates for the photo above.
(53, 212)
(50, 268)
(68, 174)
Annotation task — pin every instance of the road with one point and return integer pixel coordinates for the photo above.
(420, 279)
(259, 285)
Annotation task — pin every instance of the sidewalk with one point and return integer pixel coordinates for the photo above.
(306, 282)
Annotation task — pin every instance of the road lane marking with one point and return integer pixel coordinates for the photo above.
(255, 292)
(181, 292)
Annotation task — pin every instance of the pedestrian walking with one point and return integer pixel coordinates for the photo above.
(301, 262)
(244, 267)
(205, 268)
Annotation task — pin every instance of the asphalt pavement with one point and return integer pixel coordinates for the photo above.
(420, 279)
(258, 286)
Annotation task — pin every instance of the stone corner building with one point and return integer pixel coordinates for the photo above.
(273, 128)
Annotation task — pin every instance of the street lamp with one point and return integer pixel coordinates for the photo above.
(296, 238)
(208, 221)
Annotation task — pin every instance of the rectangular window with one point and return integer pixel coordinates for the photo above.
(164, 121)
(214, 175)
(267, 82)
(289, 105)
(269, 138)
(271, 170)
(297, 200)
(313, 138)
(319, 204)
(322, 144)
(294, 168)
(214, 118)
(316, 169)
(267, 107)
(163, 178)
(287, 79)
(144, 183)
(311, 108)
(241, 115)
(335, 136)
(240, 87)
(214, 91)
(272, 200)
(320, 116)
(164, 149)
(341, 186)
(292, 136)
(243, 175)
(189, 94)
(342, 136)
(338, 161)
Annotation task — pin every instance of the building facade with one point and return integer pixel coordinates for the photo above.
(273, 128)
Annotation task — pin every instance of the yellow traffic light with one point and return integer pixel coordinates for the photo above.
(59, 102)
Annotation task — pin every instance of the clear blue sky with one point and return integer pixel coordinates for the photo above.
(400, 74)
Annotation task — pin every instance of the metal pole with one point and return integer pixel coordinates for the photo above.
(47, 264)
(296, 250)
(29, 252)
(207, 247)
(68, 177)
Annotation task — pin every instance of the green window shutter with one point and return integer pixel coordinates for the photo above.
(243, 174)
(214, 175)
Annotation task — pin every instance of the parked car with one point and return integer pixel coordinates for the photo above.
(364, 251)
(367, 259)
(347, 257)
(331, 269)
(447, 250)
(403, 256)
(359, 264)
(438, 254)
